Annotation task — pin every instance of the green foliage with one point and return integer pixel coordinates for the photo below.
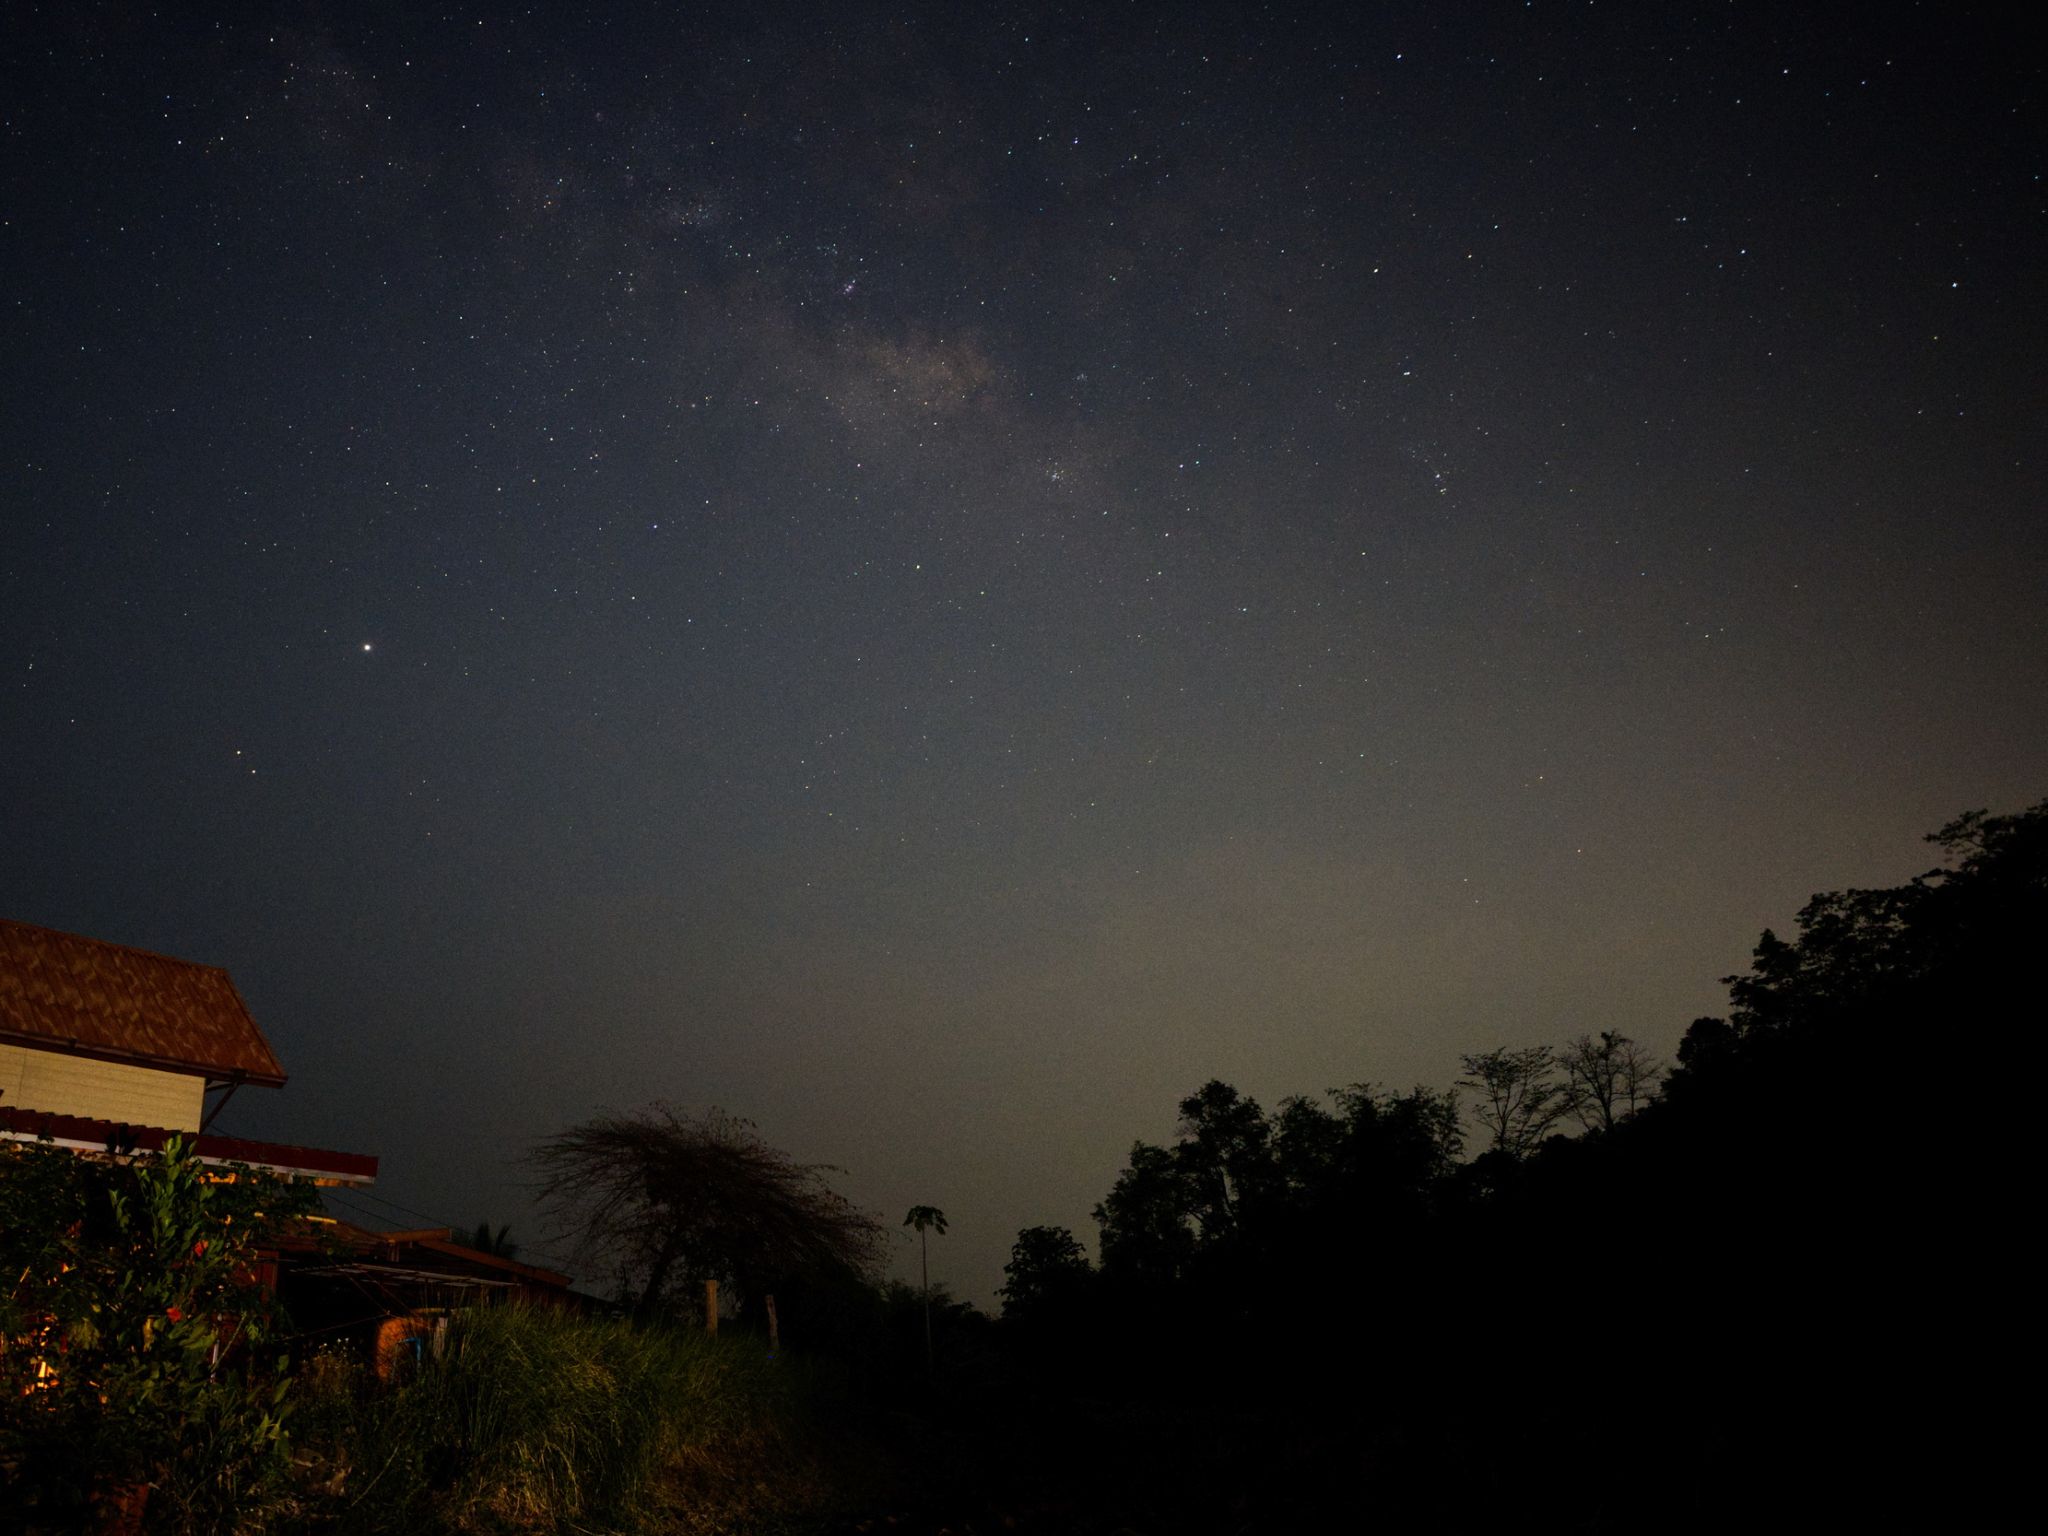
(134, 1337)
(537, 1419)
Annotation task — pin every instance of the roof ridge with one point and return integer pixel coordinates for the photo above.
(83, 996)
(132, 949)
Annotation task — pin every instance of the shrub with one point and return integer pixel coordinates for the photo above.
(534, 1419)
(133, 1335)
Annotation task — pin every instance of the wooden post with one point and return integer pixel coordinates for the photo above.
(774, 1327)
(711, 1307)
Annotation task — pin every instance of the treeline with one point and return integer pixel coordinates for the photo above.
(1576, 1290)
(1243, 1187)
(1770, 1285)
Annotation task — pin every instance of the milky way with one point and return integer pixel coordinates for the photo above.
(938, 581)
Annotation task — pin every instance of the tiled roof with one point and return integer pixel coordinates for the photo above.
(60, 992)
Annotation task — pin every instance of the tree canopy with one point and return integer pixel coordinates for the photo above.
(1875, 962)
(1047, 1268)
(670, 1199)
(1520, 1096)
(1239, 1180)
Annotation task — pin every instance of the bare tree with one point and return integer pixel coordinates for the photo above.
(1609, 1078)
(1520, 1095)
(670, 1199)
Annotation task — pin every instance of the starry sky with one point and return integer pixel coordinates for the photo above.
(937, 577)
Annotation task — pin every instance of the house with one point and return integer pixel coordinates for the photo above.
(107, 1048)
(102, 1045)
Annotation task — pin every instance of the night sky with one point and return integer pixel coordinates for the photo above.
(937, 579)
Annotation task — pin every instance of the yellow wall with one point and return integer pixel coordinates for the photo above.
(99, 1090)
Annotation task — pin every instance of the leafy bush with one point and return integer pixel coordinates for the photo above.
(133, 1336)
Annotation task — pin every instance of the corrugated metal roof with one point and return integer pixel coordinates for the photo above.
(431, 1251)
(61, 992)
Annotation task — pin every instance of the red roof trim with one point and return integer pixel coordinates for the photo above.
(78, 1132)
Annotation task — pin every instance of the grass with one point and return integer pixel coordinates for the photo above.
(541, 1420)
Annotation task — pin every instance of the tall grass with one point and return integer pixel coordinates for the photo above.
(535, 1419)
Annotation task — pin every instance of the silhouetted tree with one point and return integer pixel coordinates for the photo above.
(1048, 1269)
(1742, 1201)
(1764, 1152)
(1520, 1096)
(672, 1199)
(1225, 1157)
(1147, 1220)
(1373, 1151)
(1953, 939)
(1237, 1182)
(1308, 1148)
(923, 1219)
(1607, 1079)
(1406, 1142)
